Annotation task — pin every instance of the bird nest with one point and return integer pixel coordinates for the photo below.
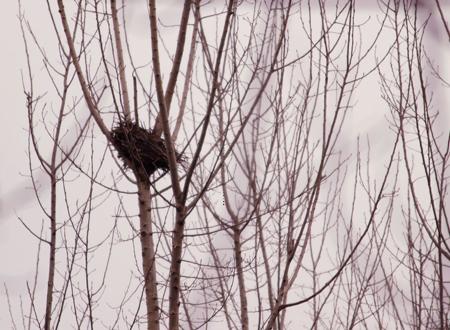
(141, 149)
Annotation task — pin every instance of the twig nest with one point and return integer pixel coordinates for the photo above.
(140, 148)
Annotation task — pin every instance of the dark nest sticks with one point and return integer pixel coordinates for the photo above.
(141, 148)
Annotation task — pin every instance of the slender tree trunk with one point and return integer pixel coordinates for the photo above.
(51, 264)
(240, 274)
(175, 268)
(148, 255)
(119, 52)
(170, 89)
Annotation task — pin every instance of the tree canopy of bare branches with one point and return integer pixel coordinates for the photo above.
(238, 165)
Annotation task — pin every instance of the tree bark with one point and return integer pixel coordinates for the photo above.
(51, 264)
(148, 255)
(240, 274)
(119, 51)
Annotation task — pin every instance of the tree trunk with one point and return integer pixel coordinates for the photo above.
(148, 255)
(175, 269)
(51, 263)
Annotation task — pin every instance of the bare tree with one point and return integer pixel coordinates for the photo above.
(274, 214)
(425, 153)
